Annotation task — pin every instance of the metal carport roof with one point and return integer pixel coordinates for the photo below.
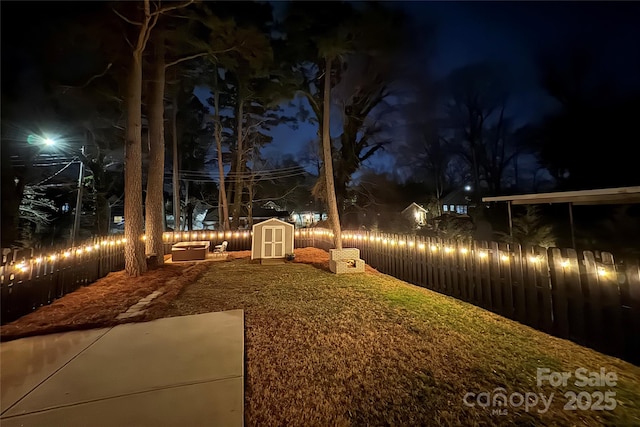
(604, 196)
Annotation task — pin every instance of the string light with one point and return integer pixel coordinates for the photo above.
(464, 251)
(564, 263)
(53, 257)
(434, 248)
(67, 254)
(38, 260)
(448, 249)
(534, 259)
(482, 254)
(602, 272)
(96, 246)
(411, 244)
(421, 246)
(89, 248)
(504, 258)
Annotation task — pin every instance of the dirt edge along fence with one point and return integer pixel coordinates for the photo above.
(585, 297)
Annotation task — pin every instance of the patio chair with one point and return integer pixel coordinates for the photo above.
(220, 249)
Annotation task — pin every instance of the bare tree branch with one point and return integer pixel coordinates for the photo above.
(138, 24)
(168, 8)
(186, 58)
(66, 88)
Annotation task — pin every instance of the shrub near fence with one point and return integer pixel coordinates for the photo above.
(586, 297)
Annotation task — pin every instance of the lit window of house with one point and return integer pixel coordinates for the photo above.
(445, 208)
(461, 209)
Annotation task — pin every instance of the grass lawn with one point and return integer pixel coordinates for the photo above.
(363, 349)
(369, 349)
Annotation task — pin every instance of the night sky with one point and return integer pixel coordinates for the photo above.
(511, 33)
(466, 32)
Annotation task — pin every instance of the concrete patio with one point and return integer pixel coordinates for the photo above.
(176, 371)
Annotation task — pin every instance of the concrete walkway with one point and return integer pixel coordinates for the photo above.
(180, 371)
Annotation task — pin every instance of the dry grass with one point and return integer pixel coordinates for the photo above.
(99, 304)
(368, 349)
(363, 349)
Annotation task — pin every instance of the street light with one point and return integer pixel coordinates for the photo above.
(76, 220)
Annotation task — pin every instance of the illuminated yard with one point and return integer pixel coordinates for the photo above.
(369, 349)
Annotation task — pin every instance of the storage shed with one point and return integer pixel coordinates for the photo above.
(272, 239)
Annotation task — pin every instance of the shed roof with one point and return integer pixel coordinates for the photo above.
(266, 221)
(604, 196)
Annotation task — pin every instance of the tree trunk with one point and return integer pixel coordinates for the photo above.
(134, 259)
(224, 214)
(176, 177)
(328, 160)
(155, 177)
(186, 203)
(237, 192)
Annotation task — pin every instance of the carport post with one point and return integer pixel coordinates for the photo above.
(573, 237)
(510, 221)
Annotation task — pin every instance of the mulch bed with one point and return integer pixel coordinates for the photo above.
(98, 305)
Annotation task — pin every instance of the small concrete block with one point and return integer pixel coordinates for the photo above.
(344, 253)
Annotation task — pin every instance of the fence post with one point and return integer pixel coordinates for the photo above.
(608, 277)
(632, 285)
(557, 265)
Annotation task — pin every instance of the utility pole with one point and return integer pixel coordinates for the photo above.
(76, 220)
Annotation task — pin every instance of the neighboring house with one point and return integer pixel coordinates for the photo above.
(415, 212)
(456, 202)
(307, 218)
(271, 205)
(116, 219)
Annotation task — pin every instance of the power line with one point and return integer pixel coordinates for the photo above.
(236, 180)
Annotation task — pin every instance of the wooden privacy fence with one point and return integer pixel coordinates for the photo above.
(587, 297)
(30, 279)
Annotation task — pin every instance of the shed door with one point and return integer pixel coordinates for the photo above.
(272, 242)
